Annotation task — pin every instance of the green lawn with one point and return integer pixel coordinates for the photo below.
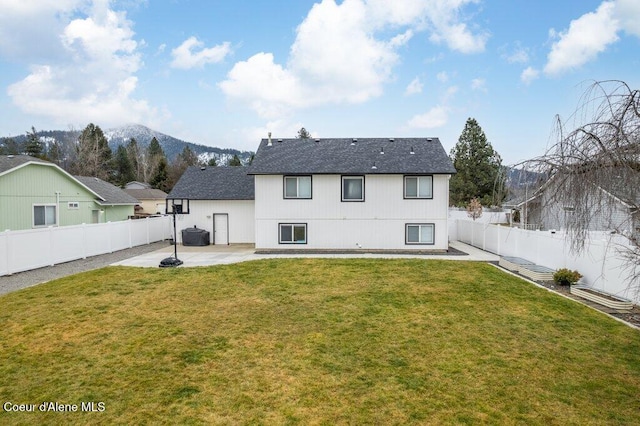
(315, 341)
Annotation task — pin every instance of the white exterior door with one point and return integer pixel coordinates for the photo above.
(221, 228)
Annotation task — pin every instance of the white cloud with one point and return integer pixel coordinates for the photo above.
(414, 87)
(185, 56)
(95, 79)
(437, 116)
(628, 14)
(479, 84)
(517, 55)
(341, 56)
(442, 77)
(586, 37)
(529, 75)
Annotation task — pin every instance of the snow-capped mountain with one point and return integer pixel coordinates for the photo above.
(143, 136)
(170, 145)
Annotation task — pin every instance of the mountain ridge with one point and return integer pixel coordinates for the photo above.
(143, 135)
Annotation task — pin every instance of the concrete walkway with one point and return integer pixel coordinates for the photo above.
(223, 255)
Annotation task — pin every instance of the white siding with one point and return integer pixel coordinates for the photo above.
(377, 223)
(241, 218)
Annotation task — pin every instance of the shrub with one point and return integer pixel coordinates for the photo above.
(566, 276)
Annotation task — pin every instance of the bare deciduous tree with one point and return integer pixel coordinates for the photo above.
(593, 171)
(474, 209)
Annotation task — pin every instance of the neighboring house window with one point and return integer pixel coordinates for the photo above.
(73, 205)
(293, 233)
(352, 188)
(418, 187)
(420, 233)
(297, 187)
(44, 215)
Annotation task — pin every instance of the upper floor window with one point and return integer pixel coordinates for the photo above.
(352, 188)
(44, 215)
(418, 187)
(297, 187)
(73, 205)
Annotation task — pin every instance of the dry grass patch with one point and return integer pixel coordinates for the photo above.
(314, 341)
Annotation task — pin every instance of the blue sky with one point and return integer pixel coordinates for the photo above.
(224, 73)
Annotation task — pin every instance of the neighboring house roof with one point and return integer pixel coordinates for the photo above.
(214, 183)
(352, 156)
(146, 194)
(137, 185)
(10, 163)
(624, 190)
(111, 194)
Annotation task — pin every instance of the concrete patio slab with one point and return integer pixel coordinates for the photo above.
(223, 255)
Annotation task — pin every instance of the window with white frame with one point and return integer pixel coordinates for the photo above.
(292, 233)
(352, 188)
(297, 187)
(73, 205)
(418, 187)
(44, 215)
(420, 233)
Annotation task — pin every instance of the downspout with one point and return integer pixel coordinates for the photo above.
(57, 208)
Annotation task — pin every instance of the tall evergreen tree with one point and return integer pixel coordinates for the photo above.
(212, 162)
(479, 169)
(160, 179)
(34, 146)
(93, 154)
(123, 169)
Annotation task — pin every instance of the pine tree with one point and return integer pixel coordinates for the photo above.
(212, 162)
(123, 169)
(479, 169)
(34, 146)
(303, 134)
(160, 179)
(235, 161)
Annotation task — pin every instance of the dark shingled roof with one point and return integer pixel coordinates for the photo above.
(214, 183)
(8, 162)
(111, 193)
(352, 156)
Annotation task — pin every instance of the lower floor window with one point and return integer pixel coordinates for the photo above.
(420, 233)
(44, 215)
(293, 233)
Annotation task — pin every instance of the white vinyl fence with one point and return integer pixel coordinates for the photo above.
(34, 248)
(600, 263)
(488, 216)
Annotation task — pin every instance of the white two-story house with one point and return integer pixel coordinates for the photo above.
(326, 194)
(350, 194)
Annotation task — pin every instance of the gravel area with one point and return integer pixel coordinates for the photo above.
(21, 280)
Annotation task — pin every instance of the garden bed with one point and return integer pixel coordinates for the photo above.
(605, 299)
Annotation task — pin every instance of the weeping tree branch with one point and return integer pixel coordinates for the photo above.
(593, 169)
